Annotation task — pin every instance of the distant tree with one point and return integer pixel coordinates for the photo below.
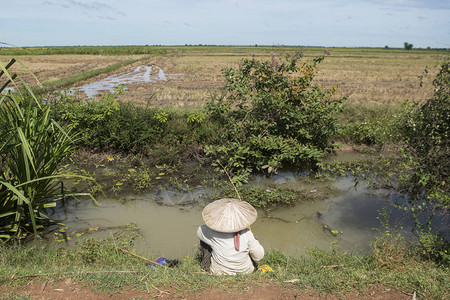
(408, 46)
(386, 47)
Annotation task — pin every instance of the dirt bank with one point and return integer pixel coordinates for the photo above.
(70, 289)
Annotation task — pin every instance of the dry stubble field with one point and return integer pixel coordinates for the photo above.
(365, 76)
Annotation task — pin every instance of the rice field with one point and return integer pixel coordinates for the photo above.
(364, 76)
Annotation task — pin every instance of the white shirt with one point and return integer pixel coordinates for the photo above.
(225, 259)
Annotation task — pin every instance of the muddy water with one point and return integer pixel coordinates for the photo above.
(169, 227)
(140, 74)
(347, 216)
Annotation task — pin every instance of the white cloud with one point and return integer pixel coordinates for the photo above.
(435, 4)
(77, 8)
(321, 22)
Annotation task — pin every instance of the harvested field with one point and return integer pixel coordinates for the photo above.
(365, 76)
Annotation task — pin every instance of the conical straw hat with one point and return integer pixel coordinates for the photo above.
(229, 215)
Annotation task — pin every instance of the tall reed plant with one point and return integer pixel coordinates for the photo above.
(32, 146)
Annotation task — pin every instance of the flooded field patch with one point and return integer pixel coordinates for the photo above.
(141, 74)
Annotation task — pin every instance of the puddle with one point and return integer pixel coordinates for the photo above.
(344, 211)
(168, 220)
(146, 74)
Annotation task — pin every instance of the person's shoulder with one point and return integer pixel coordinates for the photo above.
(246, 231)
(205, 228)
(208, 232)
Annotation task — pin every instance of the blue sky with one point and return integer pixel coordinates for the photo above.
(347, 23)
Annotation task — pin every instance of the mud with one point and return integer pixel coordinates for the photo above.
(71, 289)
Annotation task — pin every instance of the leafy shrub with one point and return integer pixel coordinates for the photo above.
(369, 124)
(271, 115)
(112, 124)
(426, 132)
(434, 247)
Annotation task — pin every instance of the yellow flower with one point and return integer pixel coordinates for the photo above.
(109, 158)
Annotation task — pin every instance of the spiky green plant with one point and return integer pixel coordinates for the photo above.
(32, 146)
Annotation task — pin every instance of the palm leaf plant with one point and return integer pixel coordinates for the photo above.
(32, 147)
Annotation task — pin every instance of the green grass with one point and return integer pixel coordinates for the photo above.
(84, 50)
(204, 49)
(14, 296)
(369, 123)
(95, 262)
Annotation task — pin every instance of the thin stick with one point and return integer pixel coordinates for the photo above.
(67, 273)
(151, 261)
(408, 294)
(333, 266)
(160, 291)
(231, 181)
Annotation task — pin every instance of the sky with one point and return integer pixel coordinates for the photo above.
(327, 23)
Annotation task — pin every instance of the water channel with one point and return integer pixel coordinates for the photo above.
(345, 214)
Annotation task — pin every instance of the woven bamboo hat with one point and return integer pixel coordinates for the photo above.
(229, 215)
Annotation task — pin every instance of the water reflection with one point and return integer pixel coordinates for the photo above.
(146, 74)
(346, 215)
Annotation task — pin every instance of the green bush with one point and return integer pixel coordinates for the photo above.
(112, 124)
(426, 132)
(369, 124)
(271, 115)
(434, 247)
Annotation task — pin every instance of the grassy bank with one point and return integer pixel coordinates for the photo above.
(102, 265)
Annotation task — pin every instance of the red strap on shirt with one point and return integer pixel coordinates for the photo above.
(237, 237)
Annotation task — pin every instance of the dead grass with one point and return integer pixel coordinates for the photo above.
(365, 76)
(381, 80)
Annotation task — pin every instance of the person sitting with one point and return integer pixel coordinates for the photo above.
(228, 246)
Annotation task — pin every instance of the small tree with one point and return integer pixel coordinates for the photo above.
(273, 114)
(408, 46)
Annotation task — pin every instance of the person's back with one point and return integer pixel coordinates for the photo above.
(227, 244)
(232, 253)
